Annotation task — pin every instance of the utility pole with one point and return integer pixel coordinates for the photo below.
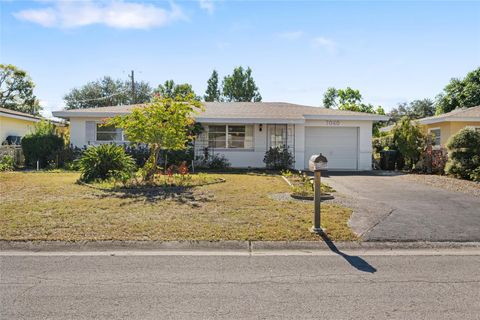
(132, 77)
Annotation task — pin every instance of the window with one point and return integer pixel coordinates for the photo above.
(217, 136)
(109, 133)
(436, 136)
(230, 137)
(277, 134)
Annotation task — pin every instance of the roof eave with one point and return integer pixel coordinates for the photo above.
(365, 117)
(457, 119)
(69, 114)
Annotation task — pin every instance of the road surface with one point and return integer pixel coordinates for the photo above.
(230, 285)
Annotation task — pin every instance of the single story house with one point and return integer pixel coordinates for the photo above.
(14, 125)
(244, 131)
(446, 125)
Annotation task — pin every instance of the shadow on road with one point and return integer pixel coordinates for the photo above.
(355, 261)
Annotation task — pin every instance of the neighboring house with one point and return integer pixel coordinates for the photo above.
(14, 125)
(446, 125)
(243, 132)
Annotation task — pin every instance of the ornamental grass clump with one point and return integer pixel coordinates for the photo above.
(106, 162)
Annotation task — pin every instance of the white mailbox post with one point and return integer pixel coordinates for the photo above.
(315, 164)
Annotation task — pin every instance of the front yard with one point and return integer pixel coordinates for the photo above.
(52, 206)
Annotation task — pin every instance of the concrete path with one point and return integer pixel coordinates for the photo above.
(387, 207)
(328, 285)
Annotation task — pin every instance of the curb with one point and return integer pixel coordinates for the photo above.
(200, 245)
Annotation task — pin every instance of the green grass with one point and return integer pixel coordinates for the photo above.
(52, 206)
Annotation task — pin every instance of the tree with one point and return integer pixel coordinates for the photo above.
(213, 92)
(107, 92)
(422, 108)
(171, 90)
(16, 90)
(240, 87)
(343, 99)
(416, 109)
(165, 123)
(460, 93)
(410, 138)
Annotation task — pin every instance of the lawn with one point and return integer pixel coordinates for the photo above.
(52, 206)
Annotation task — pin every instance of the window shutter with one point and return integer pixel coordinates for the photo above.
(90, 132)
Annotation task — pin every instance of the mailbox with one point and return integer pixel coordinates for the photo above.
(317, 162)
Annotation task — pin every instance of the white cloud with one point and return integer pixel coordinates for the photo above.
(293, 35)
(207, 5)
(113, 13)
(325, 43)
(43, 17)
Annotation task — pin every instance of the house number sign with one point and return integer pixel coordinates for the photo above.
(333, 122)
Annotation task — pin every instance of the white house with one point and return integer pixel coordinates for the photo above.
(243, 132)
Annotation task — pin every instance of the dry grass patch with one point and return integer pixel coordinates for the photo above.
(51, 206)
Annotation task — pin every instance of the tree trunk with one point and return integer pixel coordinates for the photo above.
(151, 165)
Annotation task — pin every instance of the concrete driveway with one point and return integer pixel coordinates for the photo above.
(389, 207)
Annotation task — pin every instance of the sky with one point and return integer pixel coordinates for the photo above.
(392, 51)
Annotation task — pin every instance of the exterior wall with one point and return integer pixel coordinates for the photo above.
(364, 138)
(239, 158)
(14, 127)
(78, 135)
(448, 129)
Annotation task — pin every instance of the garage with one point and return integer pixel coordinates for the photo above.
(339, 145)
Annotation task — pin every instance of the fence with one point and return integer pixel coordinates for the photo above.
(14, 151)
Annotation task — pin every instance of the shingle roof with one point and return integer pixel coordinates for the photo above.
(466, 114)
(239, 110)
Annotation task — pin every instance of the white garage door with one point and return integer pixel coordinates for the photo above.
(339, 145)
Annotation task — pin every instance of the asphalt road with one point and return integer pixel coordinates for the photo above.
(325, 286)
(388, 208)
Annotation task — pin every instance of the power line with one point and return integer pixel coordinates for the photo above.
(102, 98)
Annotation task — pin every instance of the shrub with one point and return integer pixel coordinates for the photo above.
(139, 153)
(278, 158)
(212, 161)
(383, 143)
(409, 138)
(41, 147)
(7, 163)
(68, 155)
(106, 162)
(464, 155)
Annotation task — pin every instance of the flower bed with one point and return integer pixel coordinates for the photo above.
(302, 185)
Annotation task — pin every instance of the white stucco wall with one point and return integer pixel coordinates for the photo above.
(77, 131)
(364, 138)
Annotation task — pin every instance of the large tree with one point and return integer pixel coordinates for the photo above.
(351, 100)
(108, 92)
(165, 123)
(240, 86)
(16, 90)
(213, 91)
(416, 109)
(172, 90)
(348, 99)
(460, 93)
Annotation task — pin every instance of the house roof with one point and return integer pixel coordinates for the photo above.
(18, 114)
(466, 114)
(241, 112)
(25, 116)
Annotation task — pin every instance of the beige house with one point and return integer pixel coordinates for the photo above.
(446, 125)
(14, 125)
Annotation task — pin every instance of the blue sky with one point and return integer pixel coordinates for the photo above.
(391, 51)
